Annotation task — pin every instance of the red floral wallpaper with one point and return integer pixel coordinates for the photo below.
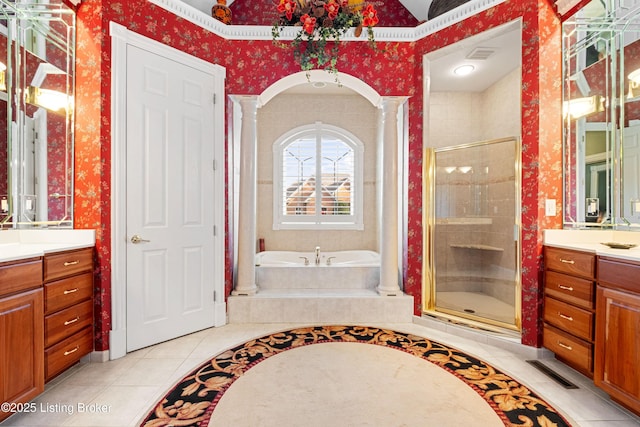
(391, 13)
(397, 70)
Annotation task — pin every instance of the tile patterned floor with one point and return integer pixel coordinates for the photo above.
(119, 393)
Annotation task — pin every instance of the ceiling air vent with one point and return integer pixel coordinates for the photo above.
(481, 53)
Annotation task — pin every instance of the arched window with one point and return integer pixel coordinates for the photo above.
(317, 171)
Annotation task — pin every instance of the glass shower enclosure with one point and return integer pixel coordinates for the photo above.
(473, 265)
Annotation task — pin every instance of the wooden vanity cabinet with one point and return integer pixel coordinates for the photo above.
(569, 306)
(21, 332)
(68, 306)
(617, 353)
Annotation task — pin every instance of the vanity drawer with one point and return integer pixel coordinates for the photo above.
(574, 351)
(67, 322)
(580, 292)
(569, 318)
(19, 276)
(571, 262)
(622, 275)
(67, 263)
(67, 292)
(66, 353)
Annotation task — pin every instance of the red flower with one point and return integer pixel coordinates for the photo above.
(287, 7)
(369, 16)
(332, 8)
(308, 23)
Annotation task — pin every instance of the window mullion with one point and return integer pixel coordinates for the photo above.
(318, 200)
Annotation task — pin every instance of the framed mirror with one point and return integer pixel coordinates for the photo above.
(36, 103)
(601, 115)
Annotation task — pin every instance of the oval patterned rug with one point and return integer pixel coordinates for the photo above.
(328, 384)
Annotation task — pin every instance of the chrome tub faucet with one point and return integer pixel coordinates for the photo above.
(317, 255)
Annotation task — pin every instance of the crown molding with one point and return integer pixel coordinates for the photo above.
(383, 34)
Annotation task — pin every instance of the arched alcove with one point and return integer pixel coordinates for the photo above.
(384, 118)
(320, 79)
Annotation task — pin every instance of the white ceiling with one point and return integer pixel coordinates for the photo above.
(505, 40)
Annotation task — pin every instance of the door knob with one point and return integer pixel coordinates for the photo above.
(135, 239)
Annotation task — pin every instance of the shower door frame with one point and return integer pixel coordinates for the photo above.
(429, 223)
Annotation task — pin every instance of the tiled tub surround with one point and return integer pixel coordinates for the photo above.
(298, 272)
(344, 291)
(22, 244)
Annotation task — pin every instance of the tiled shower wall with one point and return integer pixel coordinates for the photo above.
(464, 117)
(285, 112)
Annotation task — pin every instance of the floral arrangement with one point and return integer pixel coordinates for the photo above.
(323, 22)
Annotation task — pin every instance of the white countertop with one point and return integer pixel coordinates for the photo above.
(592, 241)
(23, 244)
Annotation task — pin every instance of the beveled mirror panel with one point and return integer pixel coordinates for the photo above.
(601, 106)
(36, 172)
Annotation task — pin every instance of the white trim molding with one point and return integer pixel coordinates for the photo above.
(382, 34)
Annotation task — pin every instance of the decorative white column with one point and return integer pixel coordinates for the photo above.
(388, 242)
(246, 281)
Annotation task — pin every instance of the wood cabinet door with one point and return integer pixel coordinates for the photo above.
(21, 347)
(617, 368)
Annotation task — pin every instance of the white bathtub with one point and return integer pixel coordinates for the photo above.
(336, 270)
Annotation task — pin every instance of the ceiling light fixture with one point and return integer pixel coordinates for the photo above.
(464, 70)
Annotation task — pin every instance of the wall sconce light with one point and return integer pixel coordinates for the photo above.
(581, 107)
(449, 169)
(3, 78)
(49, 99)
(634, 84)
(465, 169)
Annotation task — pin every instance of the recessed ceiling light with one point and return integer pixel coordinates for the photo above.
(463, 70)
(318, 85)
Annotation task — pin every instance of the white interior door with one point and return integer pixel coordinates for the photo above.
(169, 199)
